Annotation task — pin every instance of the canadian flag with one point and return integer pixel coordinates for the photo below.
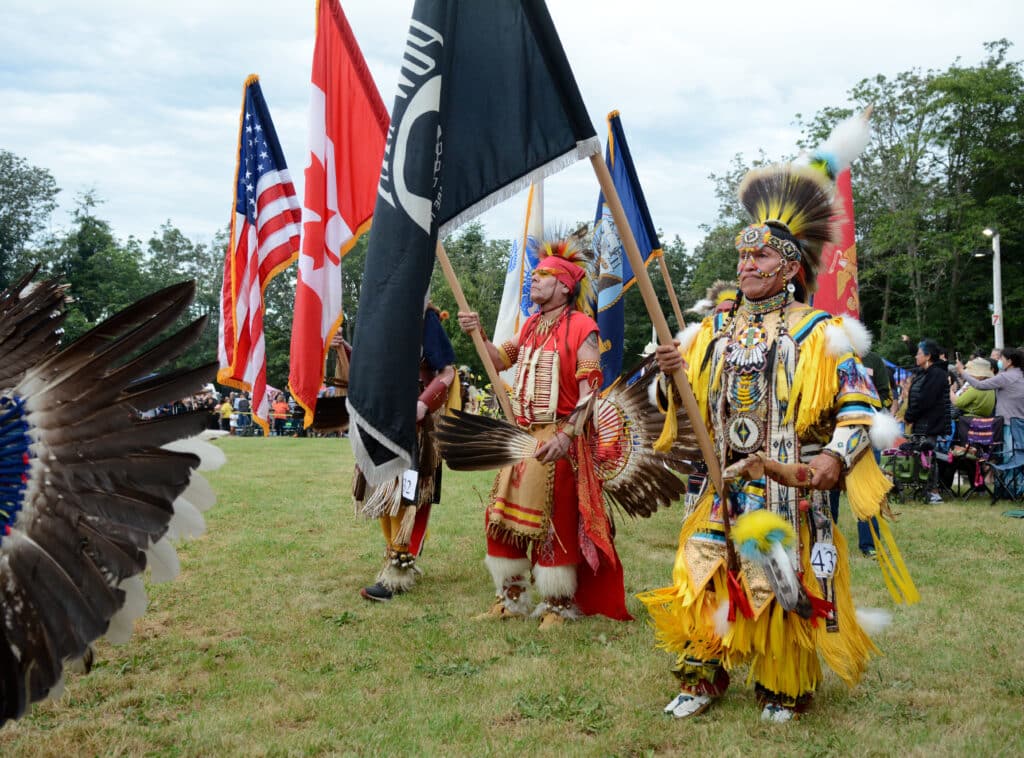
(348, 124)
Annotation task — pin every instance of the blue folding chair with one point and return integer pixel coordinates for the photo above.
(1008, 474)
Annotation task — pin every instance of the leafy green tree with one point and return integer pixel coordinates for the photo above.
(27, 198)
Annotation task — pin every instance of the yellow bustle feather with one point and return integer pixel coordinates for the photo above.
(757, 526)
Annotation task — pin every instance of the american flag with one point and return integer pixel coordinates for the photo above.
(265, 230)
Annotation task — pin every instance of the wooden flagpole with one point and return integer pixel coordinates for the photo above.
(478, 339)
(681, 324)
(643, 281)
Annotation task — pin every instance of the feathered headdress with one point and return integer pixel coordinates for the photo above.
(572, 265)
(719, 296)
(791, 203)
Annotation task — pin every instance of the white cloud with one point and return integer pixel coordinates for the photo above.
(140, 100)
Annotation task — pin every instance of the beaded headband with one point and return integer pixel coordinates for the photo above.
(756, 236)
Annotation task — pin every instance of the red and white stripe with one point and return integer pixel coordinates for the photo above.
(258, 253)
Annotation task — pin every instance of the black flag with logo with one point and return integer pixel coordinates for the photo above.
(486, 104)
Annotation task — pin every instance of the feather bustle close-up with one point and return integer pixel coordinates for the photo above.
(635, 477)
(89, 492)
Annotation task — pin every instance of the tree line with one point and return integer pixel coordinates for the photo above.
(946, 161)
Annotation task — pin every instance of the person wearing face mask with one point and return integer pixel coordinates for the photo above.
(1008, 383)
(778, 382)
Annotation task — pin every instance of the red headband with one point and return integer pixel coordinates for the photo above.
(567, 273)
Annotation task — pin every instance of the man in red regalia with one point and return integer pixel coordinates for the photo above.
(552, 503)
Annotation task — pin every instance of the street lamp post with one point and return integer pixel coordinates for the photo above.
(997, 288)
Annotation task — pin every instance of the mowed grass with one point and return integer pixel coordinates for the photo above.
(264, 647)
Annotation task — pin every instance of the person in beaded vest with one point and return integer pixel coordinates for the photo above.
(546, 518)
(792, 413)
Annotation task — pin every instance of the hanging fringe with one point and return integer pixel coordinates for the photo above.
(404, 535)
(866, 488)
(584, 149)
(815, 382)
(670, 430)
(894, 570)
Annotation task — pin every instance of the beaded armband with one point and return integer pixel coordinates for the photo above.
(509, 351)
(591, 372)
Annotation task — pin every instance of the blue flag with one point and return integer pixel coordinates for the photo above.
(616, 275)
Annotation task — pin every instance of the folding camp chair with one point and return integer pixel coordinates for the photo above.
(910, 469)
(978, 442)
(1008, 474)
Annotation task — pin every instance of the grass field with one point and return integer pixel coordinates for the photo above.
(264, 647)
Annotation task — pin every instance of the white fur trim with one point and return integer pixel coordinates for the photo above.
(397, 579)
(837, 340)
(687, 336)
(859, 335)
(652, 391)
(555, 581)
(503, 569)
(873, 620)
(885, 430)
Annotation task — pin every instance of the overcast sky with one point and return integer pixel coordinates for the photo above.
(139, 101)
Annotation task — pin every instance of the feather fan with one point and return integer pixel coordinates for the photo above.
(635, 477)
(89, 492)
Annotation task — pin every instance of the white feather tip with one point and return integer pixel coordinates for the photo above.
(210, 457)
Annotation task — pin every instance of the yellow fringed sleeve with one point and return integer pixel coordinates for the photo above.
(815, 381)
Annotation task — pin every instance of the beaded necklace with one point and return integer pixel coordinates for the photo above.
(746, 369)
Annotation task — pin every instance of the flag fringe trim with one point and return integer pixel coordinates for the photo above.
(585, 149)
(375, 474)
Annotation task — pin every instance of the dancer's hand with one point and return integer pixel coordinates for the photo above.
(669, 358)
(554, 449)
(826, 471)
(469, 320)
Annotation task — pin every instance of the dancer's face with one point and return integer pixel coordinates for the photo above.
(762, 273)
(546, 291)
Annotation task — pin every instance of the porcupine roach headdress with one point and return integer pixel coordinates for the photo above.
(791, 203)
(568, 261)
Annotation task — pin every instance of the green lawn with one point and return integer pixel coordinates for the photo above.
(264, 647)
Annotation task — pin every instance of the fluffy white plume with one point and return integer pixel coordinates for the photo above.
(885, 430)
(860, 337)
(874, 621)
(847, 140)
(687, 336)
(652, 392)
(837, 340)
